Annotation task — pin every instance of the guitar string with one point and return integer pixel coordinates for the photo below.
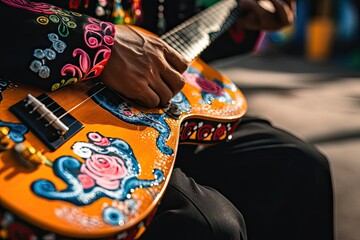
(216, 7)
(82, 102)
(55, 92)
(202, 15)
(59, 108)
(93, 107)
(176, 41)
(74, 98)
(164, 37)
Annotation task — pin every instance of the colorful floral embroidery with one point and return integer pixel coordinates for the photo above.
(98, 35)
(54, 14)
(38, 65)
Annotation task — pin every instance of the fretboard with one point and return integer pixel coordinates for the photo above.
(191, 37)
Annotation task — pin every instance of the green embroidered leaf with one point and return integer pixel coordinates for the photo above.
(63, 30)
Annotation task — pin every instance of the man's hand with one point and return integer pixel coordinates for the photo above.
(268, 15)
(143, 69)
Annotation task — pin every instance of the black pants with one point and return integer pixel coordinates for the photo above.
(281, 186)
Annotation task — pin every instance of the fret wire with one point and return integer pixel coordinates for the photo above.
(188, 31)
(197, 17)
(178, 46)
(191, 38)
(181, 44)
(215, 11)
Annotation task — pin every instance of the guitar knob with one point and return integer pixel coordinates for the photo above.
(28, 155)
(5, 141)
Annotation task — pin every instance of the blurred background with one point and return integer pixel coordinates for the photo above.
(324, 30)
(306, 79)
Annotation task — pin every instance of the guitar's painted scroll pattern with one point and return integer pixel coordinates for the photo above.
(210, 90)
(202, 131)
(16, 131)
(126, 113)
(110, 170)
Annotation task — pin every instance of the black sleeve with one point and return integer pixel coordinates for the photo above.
(50, 47)
(233, 42)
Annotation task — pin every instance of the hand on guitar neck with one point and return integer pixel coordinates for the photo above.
(267, 15)
(151, 70)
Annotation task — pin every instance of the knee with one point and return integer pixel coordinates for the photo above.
(312, 160)
(191, 211)
(226, 220)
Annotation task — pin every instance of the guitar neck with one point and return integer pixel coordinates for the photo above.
(195, 34)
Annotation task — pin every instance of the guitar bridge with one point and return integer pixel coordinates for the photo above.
(41, 115)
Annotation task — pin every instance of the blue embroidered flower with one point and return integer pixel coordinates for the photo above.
(44, 72)
(38, 53)
(53, 37)
(50, 54)
(38, 65)
(35, 65)
(58, 45)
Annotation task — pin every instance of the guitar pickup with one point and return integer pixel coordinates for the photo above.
(46, 119)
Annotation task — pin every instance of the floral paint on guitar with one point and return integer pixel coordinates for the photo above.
(209, 90)
(110, 170)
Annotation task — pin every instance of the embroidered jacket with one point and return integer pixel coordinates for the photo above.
(53, 44)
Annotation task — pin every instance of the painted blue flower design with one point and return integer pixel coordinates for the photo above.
(86, 184)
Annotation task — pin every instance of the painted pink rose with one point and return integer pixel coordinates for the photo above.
(86, 181)
(107, 171)
(203, 84)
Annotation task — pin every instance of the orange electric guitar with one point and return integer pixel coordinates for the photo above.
(80, 162)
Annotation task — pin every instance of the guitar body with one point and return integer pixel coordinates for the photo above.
(105, 175)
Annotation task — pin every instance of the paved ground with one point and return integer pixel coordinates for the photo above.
(318, 102)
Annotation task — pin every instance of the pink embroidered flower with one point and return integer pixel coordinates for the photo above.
(87, 68)
(97, 35)
(109, 40)
(31, 6)
(86, 181)
(203, 84)
(107, 171)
